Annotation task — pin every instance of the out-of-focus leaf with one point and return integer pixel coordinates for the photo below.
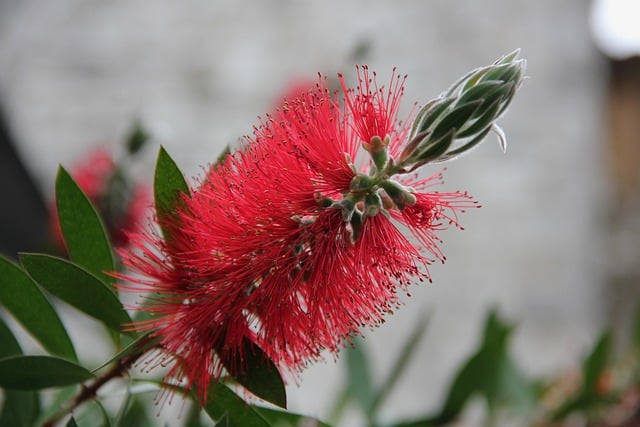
(168, 184)
(589, 396)
(22, 297)
(88, 419)
(72, 422)
(636, 329)
(399, 366)
(288, 419)
(20, 408)
(261, 376)
(359, 376)
(223, 156)
(61, 398)
(84, 232)
(595, 363)
(193, 419)
(225, 403)
(133, 413)
(489, 372)
(9, 346)
(138, 137)
(78, 287)
(38, 372)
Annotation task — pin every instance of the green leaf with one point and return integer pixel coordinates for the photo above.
(20, 408)
(58, 405)
(83, 230)
(21, 296)
(135, 414)
(489, 372)
(93, 410)
(9, 345)
(225, 403)
(71, 423)
(261, 376)
(287, 419)
(138, 137)
(78, 287)
(37, 372)
(222, 156)
(399, 366)
(193, 419)
(359, 375)
(168, 185)
(595, 364)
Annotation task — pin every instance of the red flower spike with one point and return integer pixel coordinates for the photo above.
(265, 248)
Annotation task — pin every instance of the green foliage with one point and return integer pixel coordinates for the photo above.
(399, 366)
(9, 345)
(360, 387)
(137, 139)
(168, 185)
(84, 232)
(227, 408)
(38, 372)
(22, 297)
(20, 408)
(261, 376)
(78, 287)
(359, 376)
(590, 396)
(490, 373)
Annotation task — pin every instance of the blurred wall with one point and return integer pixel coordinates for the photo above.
(77, 72)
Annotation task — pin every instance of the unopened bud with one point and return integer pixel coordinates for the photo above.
(372, 204)
(467, 112)
(401, 196)
(361, 183)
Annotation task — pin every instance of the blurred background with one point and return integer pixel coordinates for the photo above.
(556, 245)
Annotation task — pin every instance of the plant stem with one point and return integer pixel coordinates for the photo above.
(89, 392)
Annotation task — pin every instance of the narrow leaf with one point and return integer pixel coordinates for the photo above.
(287, 419)
(359, 375)
(22, 297)
(78, 287)
(261, 377)
(596, 363)
(168, 185)
(84, 232)
(404, 357)
(20, 408)
(226, 404)
(9, 345)
(38, 372)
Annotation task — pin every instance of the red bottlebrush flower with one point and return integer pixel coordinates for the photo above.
(122, 209)
(286, 243)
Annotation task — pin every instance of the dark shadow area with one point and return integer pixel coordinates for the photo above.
(23, 212)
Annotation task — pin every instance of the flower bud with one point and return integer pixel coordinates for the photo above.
(460, 118)
(400, 195)
(372, 204)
